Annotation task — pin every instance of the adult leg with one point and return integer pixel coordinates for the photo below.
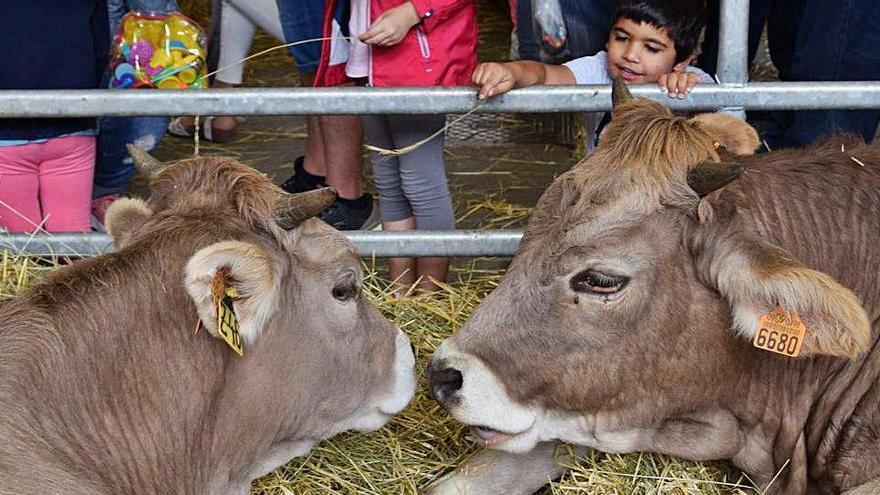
(837, 41)
(114, 166)
(423, 178)
(587, 25)
(66, 183)
(395, 209)
(527, 43)
(19, 187)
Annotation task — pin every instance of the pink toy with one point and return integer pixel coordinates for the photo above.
(140, 53)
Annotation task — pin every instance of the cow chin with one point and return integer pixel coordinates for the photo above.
(378, 412)
(482, 402)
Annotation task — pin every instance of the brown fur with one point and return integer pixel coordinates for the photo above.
(105, 388)
(667, 357)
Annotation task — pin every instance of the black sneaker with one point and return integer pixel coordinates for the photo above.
(342, 215)
(302, 181)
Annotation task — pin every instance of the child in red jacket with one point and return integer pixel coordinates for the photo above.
(407, 43)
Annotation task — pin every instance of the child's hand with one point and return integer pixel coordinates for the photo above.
(678, 84)
(391, 26)
(493, 78)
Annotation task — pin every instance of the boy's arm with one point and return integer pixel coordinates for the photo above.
(495, 78)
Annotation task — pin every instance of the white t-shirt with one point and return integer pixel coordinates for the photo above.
(592, 70)
(359, 57)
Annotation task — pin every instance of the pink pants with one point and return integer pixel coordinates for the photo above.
(48, 184)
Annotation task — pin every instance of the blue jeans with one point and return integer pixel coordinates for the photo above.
(118, 8)
(114, 167)
(587, 23)
(837, 41)
(812, 40)
(304, 20)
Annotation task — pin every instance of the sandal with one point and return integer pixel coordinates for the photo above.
(207, 131)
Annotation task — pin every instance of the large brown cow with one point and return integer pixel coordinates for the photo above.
(106, 389)
(626, 320)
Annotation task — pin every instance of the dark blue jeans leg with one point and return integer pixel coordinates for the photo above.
(588, 23)
(304, 20)
(527, 44)
(114, 166)
(837, 41)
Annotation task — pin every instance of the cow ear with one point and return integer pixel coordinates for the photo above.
(732, 133)
(245, 267)
(124, 217)
(755, 276)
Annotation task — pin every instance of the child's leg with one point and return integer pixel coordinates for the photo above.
(66, 183)
(393, 205)
(403, 271)
(423, 179)
(19, 187)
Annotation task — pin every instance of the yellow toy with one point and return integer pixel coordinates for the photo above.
(158, 51)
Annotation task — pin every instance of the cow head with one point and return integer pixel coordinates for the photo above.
(318, 357)
(631, 293)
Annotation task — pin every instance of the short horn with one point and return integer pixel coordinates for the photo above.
(619, 92)
(293, 209)
(144, 162)
(711, 176)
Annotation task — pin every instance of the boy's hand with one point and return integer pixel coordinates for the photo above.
(678, 84)
(493, 78)
(390, 27)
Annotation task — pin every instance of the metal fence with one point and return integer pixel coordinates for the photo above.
(732, 94)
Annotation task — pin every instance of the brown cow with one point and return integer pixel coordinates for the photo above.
(105, 387)
(625, 322)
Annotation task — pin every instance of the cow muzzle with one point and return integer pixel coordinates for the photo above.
(443, 381)
(473, 394)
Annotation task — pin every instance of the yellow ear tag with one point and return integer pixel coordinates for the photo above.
(780, 332)
(227, 323)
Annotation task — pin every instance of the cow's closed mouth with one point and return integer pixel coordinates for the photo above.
(491, 436)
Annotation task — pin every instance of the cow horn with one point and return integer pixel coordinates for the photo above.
(710, 176)
(293, 209)
(144, 162)
(619, 92)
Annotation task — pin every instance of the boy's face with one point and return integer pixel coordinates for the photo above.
(640, 52)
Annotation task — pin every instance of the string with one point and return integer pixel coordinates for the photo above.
(368, 147)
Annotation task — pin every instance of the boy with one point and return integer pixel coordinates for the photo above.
(651, 41)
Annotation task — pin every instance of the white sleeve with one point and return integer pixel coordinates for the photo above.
(589, 70)
(704, 78)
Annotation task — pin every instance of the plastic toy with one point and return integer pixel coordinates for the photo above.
(158, 51)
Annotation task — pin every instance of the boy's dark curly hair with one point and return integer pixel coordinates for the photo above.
(683, 20)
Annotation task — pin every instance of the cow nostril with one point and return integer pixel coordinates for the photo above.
(444, 382)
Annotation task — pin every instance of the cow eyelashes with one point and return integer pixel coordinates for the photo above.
(345, 289)
(594, 282)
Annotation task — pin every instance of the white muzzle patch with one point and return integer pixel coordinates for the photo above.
(483, 402)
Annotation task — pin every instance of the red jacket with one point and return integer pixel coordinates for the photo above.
(439, 51)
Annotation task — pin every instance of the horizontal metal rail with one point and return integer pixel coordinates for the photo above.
(368, 243)
(859, 95)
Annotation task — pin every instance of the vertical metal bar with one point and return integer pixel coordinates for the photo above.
(733, 47)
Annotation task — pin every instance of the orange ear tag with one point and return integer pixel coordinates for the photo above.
(227, 323)
(780, 332)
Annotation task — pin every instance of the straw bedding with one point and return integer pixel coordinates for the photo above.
(423, 442)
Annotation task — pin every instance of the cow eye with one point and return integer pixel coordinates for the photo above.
(345, 289)
(592, 281)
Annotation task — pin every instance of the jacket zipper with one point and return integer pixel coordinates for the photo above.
(423, 44)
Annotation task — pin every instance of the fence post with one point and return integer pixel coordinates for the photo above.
(733, 48)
